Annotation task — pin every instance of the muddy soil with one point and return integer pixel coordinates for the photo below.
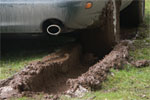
(141, 63)
(97, 73)
(63, 72)
(48, 75)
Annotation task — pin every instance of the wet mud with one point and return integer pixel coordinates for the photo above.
(48, 75)
(141, 63)
(97, 73)
(66, 71)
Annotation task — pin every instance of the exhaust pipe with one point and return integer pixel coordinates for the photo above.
(53, 29)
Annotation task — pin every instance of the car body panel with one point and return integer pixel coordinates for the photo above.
(125, 3)
(27, 16)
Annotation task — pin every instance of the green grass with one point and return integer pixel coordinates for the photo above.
(147, 11)
(11, 65)
(23, 98)
(128, 84)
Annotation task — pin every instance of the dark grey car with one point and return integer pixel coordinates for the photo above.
(52, 16)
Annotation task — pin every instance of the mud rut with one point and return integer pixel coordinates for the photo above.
(66, 71)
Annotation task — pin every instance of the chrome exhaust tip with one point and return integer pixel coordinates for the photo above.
(53, 29)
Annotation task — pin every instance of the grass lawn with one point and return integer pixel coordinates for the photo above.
(128, 84)
(10, 65)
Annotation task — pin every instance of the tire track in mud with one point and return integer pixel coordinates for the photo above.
(48, 75)
(66, 71)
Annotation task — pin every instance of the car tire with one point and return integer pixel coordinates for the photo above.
(102, 39)
(134, 14)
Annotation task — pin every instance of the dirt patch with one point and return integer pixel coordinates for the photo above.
(141, 63)
(48, 75)
(97, 73)
(63, 72)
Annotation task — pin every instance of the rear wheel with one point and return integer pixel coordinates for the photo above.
(133, 15)
(103, 38)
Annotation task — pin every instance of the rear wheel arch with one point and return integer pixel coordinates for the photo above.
(103, 38)
(134, 14)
